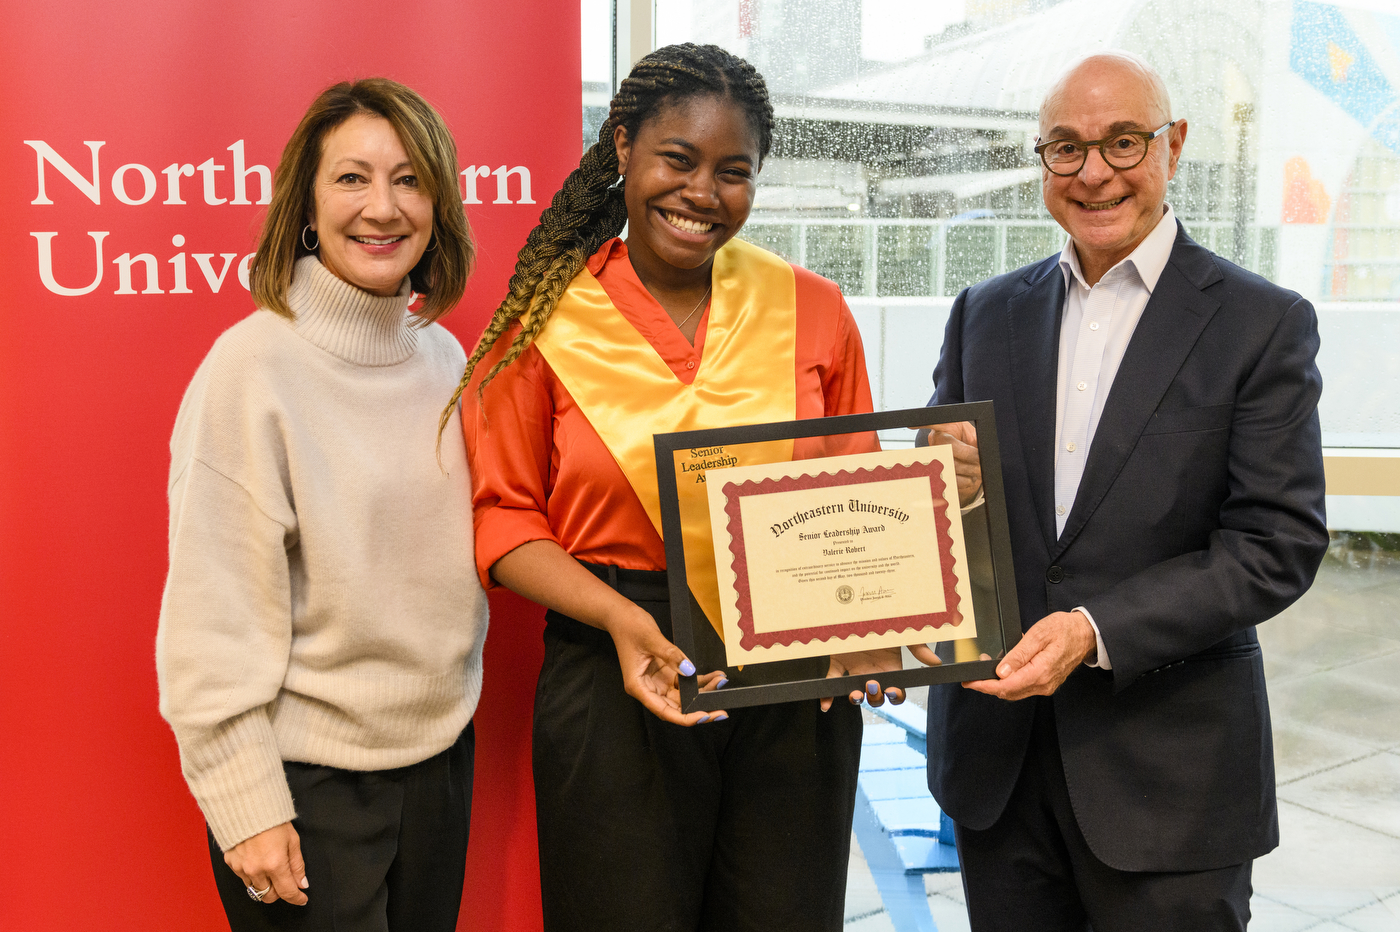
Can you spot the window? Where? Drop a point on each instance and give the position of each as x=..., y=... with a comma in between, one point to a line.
x=902, y=169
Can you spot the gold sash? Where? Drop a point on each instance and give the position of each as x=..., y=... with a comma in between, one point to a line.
x=628, y=393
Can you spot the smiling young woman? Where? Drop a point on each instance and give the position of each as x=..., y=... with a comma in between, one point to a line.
x=743, y=823
x=690, y=185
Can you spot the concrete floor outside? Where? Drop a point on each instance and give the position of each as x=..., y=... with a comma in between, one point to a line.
x=1332, y=663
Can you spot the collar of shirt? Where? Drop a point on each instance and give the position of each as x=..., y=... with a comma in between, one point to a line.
x=613, y=248
x=1148, y=259
x=613, y=269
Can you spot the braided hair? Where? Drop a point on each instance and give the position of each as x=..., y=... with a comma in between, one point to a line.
x=589, y=209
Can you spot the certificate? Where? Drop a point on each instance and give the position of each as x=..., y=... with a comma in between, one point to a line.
x=839, y=554
x=791, y=546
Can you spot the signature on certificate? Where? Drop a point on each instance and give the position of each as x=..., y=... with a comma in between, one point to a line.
x=875, y=595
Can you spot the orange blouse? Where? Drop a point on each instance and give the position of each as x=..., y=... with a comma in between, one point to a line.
x=540, y=472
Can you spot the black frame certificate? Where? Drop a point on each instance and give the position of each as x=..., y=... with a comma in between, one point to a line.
x=793, y=541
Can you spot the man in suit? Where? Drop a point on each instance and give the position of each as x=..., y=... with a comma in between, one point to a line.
x=1157, y=412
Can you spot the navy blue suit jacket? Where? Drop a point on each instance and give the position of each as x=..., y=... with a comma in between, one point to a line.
x=1199, y=515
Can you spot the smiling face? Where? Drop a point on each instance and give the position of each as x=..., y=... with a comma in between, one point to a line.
x=372, y=219
x=1108, y=212
x=690, y=183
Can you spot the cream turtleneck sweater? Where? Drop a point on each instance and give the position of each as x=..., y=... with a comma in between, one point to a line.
x=322, y=603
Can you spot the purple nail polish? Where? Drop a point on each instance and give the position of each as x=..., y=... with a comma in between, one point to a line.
x=873, y=688
x=702, y=719
x=687, y=668
x=721, y=716
x=722, y=680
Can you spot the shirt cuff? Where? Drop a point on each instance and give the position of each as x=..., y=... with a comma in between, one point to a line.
x=980, y=499
x=1101, y=661
x=499, y=530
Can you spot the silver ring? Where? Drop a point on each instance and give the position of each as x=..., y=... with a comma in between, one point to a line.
x=256, y=894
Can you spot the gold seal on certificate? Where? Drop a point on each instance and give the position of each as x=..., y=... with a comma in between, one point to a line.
x=839, y=554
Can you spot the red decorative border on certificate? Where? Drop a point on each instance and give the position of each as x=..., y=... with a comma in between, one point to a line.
x=733, y=492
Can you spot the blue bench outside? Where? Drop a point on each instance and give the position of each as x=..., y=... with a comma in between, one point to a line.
x=901, y=830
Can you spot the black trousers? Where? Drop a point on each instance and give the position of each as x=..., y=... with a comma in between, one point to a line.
x=735, y=825
x=1032, y=871
x=385, y=850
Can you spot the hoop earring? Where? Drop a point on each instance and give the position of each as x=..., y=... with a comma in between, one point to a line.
x=433, y=247
x=310, y=247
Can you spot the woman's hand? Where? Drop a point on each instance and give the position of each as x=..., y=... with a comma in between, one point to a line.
x=925, y=655
x=543, y=572
x=865, y=663
x=271, y=859
x=652, y=667
x=962, y=437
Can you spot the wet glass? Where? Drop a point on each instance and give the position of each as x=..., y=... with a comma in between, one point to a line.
x=903, y=167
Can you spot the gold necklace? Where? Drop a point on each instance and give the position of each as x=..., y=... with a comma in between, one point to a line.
x=696, y=307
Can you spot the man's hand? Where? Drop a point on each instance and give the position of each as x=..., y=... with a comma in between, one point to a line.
x=962, y=437
x=1043, y=659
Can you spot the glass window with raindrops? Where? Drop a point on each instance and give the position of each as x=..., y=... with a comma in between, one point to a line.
x=902, y=168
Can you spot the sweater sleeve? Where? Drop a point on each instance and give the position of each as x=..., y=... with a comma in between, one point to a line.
x=225, y=630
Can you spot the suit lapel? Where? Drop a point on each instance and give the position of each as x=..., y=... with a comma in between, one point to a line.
x=1172, y=322
x=1033, y=320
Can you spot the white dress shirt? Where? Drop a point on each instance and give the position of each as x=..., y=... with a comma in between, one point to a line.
x=1096, y=326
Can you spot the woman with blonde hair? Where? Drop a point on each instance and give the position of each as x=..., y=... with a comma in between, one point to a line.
x=320, y=639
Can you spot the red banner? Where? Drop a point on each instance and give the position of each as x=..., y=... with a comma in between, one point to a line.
x=138, y=145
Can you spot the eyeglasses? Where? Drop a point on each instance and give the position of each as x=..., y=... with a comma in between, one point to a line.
x=1123, y=151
